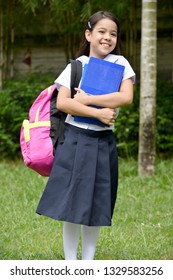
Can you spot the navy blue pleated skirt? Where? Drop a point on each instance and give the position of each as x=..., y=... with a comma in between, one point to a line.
x=82, y=186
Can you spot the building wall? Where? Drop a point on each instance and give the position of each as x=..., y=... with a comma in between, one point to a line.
x=43, y=59
x=52, y=59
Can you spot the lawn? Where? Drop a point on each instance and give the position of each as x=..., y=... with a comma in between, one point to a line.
x=142, y=227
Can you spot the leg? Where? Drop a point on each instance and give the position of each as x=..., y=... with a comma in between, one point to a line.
x=71, y=234
x=89, y=241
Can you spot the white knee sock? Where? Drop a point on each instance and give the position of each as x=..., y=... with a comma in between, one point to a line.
x=89, y=241
x=71, y=234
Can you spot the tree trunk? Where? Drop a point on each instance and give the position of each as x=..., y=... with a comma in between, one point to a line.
x=172, y=58
x=147, y=150
x=1, y=48
x=12, y=54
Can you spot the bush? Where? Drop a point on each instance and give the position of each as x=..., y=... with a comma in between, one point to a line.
x=127, y=127
x=127, y=124
x=164, y=121
x=18, y=95
x=16, y=99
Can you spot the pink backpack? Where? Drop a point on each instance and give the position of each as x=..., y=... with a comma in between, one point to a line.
x=40, y=134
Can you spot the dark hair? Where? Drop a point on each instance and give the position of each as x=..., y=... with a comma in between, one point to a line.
x=84, y=48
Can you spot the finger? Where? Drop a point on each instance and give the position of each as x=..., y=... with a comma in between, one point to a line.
x=77, y=90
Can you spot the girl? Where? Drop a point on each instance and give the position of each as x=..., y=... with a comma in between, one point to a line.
x=82, y=187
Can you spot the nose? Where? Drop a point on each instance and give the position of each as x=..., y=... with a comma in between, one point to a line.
x=107, y=36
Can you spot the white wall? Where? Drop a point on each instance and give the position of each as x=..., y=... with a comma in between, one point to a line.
x=43, y=59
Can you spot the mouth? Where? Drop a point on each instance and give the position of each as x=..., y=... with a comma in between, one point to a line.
x=106, y=45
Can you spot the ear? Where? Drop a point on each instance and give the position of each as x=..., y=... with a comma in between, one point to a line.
x=88, y=35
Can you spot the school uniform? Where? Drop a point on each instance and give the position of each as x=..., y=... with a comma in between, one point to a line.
x=83, y=183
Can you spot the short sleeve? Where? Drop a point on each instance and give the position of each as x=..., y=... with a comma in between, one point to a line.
x=64, y=78
x=128, y=72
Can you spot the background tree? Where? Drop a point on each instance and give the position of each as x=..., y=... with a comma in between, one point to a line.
x=32, y=23
x=15, y=18
x=147, y=129
x=68, y=18
x=1, y=47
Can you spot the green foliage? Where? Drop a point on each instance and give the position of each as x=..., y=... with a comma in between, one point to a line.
x=16, y=99
x=164, y=122
x=18, y=95
x=127, y=124
x=127, y=127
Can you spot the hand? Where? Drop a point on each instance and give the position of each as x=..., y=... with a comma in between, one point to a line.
x=81, y=96
x=106, y=115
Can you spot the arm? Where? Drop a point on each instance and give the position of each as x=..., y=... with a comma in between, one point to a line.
x=111, y=100
x=71, y=106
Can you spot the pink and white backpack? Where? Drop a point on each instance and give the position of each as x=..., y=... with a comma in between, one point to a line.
x=35, y=141
x=40, y=134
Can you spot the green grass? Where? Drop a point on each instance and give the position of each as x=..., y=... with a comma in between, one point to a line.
x=142, y=226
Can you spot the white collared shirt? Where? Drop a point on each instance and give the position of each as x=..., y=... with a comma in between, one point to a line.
x=64, y=80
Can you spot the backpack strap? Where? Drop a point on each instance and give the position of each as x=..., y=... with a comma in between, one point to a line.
x=76, y=74
x=58, y=117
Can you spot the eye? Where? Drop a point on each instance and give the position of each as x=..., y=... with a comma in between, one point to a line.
x=114, y=34
x=101, y=31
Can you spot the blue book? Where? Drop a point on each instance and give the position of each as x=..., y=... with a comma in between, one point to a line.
x=100, y=77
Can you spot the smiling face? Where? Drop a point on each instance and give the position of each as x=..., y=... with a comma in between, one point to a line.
x=103, y=38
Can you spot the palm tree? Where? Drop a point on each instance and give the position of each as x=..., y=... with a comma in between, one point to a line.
x=147, y=153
